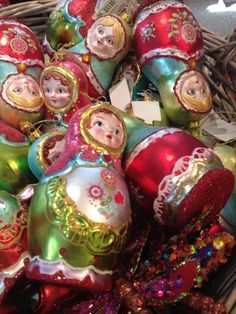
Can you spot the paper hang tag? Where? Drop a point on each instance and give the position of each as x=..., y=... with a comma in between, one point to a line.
x=60, y=4
x=99, y=5
x=120, y=95
x=219, y=128
x=116, y=7
x=148, y=111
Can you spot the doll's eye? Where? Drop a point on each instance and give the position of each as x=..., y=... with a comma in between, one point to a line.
x=98, y=124
x=61, y=91
x=117, y=132
x=110, y=41
x=55, y=156
x=191, y=92
x=47, y=90
x=203, y=91
x=17, y=90
x=100, y=30
x=34, y=93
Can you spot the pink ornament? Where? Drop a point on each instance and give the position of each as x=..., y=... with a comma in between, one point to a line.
x=64, y=85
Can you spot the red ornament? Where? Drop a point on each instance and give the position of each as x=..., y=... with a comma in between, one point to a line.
x=167, y=29
x=4, y=3
x=175, y=175
x=85, y=10
x=68, y=71
x=13, y=243
x=19, y=44
x=50, y=296
x=21, y=62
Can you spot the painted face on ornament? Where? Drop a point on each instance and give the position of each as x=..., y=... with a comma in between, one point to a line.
x=53, y=148
x=106, y=129
x=56, y=90
x=22, y=91
x=106, y=37
x=194, y=92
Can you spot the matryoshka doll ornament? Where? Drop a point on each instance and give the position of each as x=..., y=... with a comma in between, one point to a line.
x=169, y=48
x=14, y=252
x=15, y=173
x=174, y=176
x=81, y=205
x=45, y=150
x=21, y=63
x=107, y=42
x=69, y=22
x=64, y=86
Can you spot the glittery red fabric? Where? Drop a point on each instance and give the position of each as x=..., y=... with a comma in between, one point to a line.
x=85, y=9
x=209, y=194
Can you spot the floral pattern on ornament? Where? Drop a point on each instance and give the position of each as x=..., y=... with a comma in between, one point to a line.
x=20, y=41
x=185, y=23
x=106, y=208
x=18, y=45
x=119, y=198
x=148, y=32
x=155, y=8
x=108, y=177
x=96, y=192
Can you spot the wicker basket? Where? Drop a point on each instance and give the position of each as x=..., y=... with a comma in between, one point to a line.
x=33, y=13
x=221, y=63
x=220, y=51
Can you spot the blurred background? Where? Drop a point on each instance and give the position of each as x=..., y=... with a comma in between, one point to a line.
x=217, y=15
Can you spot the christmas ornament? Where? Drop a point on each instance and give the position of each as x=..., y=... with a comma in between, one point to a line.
x=13, y=242
x=4, y=3
x=161, y=279
x=205, y=304
x=82, y=205
x=45, y=150
x=107, y=42
x=69, y=23
x=174, y=174
x=171, y=271
x=14, y=169
x=21, y=62
x=169, y=48
x=64, y=86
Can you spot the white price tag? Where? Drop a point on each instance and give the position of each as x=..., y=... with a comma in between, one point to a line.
x=99, y=4
x=219, y=128
x=120, y=95
x=148, y=111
